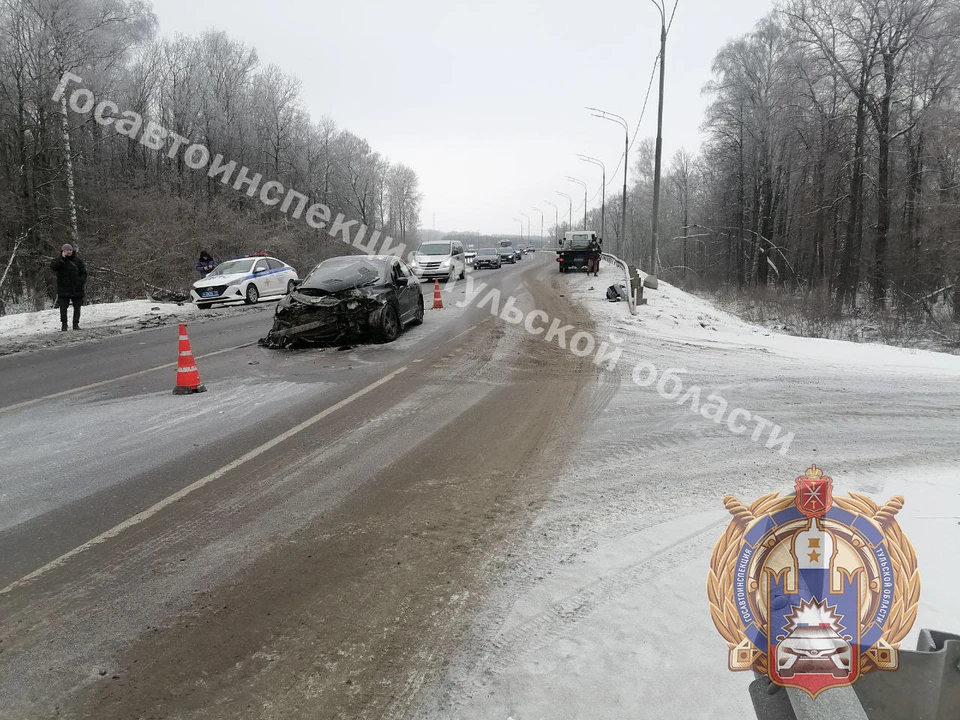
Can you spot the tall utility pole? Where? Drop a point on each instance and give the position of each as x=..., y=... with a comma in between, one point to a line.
x=654, y=251
x=603, y=202
x=541, y=225
x=521, y=229
x=556, y=218
x=613, y=117
x=584, y=186
x=570, y=210
x=528, y=226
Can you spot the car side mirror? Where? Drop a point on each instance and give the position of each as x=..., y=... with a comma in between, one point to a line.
x=403, y=282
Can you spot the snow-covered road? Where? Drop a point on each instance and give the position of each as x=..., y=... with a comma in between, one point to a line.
x=602, y=612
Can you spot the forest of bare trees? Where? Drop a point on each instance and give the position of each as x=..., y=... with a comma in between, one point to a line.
x=140, y=216
x=832, y=165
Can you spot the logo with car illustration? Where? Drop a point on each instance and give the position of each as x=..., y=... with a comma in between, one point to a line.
x=813, y=590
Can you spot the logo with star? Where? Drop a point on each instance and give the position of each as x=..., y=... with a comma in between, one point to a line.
x=812, y=590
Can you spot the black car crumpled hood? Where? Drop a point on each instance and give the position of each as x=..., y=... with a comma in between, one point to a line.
x=316, y=316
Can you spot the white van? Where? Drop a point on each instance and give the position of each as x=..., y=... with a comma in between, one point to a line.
x=440, y=259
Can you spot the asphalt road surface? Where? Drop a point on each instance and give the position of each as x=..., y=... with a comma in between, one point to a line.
x=466, y=523
x=299, y=541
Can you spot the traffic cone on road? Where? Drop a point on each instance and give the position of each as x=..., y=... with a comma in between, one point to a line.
x=437, y=300
x=188, y=377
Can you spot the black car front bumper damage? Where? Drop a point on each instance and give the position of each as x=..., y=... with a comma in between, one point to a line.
x=303, y=320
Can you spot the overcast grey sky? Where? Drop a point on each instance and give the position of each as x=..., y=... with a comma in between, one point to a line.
x=485, y=100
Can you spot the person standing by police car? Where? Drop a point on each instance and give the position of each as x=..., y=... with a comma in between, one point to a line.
x=205, y=264
x=71, y=284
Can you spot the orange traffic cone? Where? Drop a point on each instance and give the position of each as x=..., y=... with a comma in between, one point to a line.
x=437, y=300
x=188, y=377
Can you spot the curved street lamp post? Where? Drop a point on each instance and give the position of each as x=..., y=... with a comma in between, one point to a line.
x=603, y=202
x=556, y=218
x=569, y=210
x=584, y=186
x=613, y=117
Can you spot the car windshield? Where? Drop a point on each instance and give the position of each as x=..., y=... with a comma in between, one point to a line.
x=435, y=249
x=488, y=251
x=233, y=267
x=343, y=273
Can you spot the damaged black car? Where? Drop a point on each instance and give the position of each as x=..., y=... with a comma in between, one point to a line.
x=348, y=298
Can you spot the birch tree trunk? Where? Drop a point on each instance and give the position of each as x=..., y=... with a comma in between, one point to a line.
x=68, y=166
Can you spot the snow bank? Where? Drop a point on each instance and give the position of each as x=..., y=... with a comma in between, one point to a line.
x=132, y=314
x=679, y=317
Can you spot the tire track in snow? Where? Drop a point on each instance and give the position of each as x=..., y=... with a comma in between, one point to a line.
x=529, y=637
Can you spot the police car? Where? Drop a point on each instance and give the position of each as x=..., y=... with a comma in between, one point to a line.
x=248, y=279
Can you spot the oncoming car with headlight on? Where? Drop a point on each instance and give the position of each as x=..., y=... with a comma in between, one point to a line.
x=247, y=279
x=439, y=260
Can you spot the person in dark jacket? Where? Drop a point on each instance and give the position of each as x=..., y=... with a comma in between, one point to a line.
x=593, y=257
x=71, y=281
x=205, y=264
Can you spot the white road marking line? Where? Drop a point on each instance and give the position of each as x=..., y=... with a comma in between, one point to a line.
x=180, y=494
x=469, y=329
x=73, y=391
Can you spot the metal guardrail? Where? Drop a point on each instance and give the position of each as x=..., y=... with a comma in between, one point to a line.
x=925, y=687
x=631, y=294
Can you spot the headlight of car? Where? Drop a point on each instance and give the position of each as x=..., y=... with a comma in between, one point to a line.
x=446, y=263
x=353, y=304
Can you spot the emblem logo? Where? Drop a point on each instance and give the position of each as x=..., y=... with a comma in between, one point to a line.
x=812, y=590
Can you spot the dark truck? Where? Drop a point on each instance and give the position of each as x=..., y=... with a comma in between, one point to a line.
x=572, y=253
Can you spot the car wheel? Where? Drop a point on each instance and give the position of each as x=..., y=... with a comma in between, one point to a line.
x=418, y=318
x=389, y=325
x=463, y=273
x=291, y=286
x=203, y=306
x=252, y=294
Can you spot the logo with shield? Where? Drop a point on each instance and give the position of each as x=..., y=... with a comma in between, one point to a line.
x=813, y=590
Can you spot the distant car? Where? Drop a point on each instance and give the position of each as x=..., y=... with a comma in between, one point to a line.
x=507, y=254
x=470, y=254
x=247, y=279
x=354, y=296
x=508, y=244
x=531, y=249
x=487, y=257
x=444, y=259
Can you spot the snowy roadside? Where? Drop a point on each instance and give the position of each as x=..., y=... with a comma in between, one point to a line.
x=37, y=330
x=601, y=611
x=674, y=315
